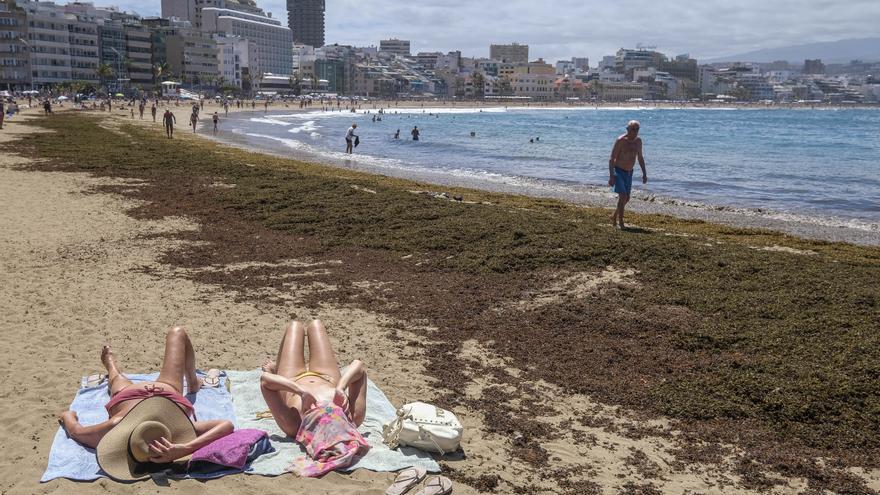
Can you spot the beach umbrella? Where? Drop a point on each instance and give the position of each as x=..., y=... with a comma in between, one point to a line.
x=62, y=98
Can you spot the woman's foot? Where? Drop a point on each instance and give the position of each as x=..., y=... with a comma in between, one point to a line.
x=108, y=359
x=269, y=366
x=193, y=384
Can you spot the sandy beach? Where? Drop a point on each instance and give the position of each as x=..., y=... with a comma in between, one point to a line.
x=93, y=258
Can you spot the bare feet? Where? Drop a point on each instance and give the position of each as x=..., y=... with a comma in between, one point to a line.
x=108, y=358
x=193, y=384
x=269, y=366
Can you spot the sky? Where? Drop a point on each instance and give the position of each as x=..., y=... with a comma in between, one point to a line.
x=561, y=29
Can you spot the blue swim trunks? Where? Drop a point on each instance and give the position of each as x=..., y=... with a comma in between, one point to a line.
x=623, y=181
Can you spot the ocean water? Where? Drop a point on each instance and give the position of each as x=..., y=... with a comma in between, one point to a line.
x=805, y=163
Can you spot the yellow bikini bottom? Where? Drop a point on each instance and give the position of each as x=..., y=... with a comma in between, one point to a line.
x=311, y=373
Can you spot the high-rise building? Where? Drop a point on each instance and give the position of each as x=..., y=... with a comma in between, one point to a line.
x=306, y=20
x=49, y=39
x=512, y=54
x=14, y=57
x=274, y=42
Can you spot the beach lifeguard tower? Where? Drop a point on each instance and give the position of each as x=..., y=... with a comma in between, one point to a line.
x=170, y=89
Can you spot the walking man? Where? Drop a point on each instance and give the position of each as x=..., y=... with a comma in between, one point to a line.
x=216, y=119
x=350, y=136
x=194, y=120
x=169, y=120
x=627, y=149
x=153, y=111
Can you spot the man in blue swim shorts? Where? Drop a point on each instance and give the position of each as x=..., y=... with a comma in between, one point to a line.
x=627, y=149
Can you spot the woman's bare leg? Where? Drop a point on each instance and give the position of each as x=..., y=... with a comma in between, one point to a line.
x=292, y=352
x=180, y=362
x=115, y=378
x=357, y=399
x=291, y=362
x=321, y=357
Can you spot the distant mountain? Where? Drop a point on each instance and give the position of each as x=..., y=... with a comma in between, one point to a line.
x=865, y=49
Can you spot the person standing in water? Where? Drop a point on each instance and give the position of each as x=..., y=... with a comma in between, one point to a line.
x=627, y=149
x=169, y=120
x=350, y=136
x=415, y=133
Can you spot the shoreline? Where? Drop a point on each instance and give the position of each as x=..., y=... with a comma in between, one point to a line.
x=808, y=226
x=469, y=301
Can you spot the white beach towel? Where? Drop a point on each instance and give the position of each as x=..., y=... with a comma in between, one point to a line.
x=248, y=402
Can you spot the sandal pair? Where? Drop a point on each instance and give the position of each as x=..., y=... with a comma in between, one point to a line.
x=410, y=478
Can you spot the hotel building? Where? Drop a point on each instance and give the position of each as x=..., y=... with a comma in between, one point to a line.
x=14, y=57
x=306, y=19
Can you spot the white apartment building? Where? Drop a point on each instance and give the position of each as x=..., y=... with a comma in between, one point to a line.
x=235, y=58
x=274, y=42
x=84, y=56
x=49, y=40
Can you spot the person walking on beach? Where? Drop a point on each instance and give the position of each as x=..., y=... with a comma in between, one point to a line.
x=627, y=149
x=216, y=119
x=153, y=111
x=2, y=112
x=169, y=120
x=415, y=133
x=194, y=121
x=350, y=136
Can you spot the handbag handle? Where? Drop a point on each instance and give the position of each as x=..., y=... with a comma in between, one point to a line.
x=391, y=432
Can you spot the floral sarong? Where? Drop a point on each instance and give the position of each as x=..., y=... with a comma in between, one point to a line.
x=330, y=439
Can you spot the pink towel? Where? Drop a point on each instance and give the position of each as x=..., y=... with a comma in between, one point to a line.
x=330, y=439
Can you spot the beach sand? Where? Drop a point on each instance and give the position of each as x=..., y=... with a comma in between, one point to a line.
x=79, y=271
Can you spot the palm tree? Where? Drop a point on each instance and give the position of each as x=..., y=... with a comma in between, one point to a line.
x=295, y=84
x=479, y=82
x=259, y=78
x=104, y=71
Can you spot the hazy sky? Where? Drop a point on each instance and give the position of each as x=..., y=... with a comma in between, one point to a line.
x=560, y=29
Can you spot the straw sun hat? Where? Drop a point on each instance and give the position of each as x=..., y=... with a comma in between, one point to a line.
x=124, y=452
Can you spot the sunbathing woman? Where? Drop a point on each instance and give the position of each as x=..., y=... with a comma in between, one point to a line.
x=291, y=388
x=316, y=405
x=179, y=366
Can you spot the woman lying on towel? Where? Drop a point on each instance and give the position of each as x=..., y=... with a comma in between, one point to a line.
x=316, y=404
x=149, y=422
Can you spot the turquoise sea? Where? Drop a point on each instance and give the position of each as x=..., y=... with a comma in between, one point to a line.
x=822, y=164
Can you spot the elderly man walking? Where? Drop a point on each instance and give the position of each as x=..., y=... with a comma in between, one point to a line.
x=627, y=149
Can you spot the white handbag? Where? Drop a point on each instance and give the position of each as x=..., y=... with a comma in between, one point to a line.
x=424, y=427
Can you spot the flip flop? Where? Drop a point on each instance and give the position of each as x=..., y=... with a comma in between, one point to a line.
x=95, y=379
x=212, y=379
x=438, y=485
x=406, y=480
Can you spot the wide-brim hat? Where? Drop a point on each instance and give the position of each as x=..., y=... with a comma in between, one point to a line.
x=124, y=452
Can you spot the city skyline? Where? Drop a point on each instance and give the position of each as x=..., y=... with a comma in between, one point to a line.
x=708, y=30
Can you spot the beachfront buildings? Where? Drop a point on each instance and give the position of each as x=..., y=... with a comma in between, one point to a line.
x=14, y=57
x=188, y=53
x=306, y=20
x=239, y=18
x=274, y=42
x=513, y=53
